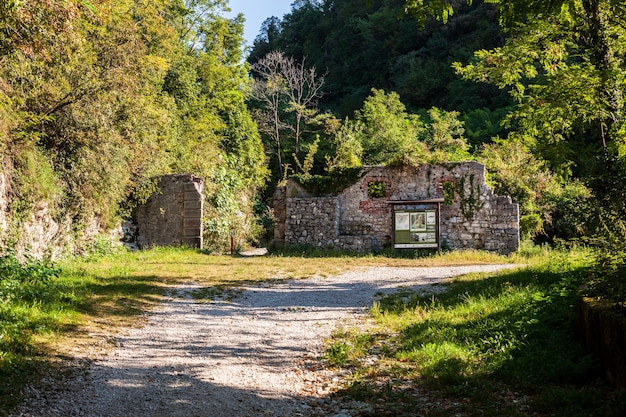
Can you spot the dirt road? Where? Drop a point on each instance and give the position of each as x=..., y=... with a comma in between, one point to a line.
x=255, y=355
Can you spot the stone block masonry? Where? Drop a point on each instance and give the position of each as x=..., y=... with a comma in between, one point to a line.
x=173, y=214
x=316, y=221
x=471, y=217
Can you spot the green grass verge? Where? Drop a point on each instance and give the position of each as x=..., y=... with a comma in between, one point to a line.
x=492, y=345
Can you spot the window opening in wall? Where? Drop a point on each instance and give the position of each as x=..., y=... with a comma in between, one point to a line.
x=376, y=189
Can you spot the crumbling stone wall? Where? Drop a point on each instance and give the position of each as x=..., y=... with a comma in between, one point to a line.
x=172, y=215
x=473, y=217
x=312, y=220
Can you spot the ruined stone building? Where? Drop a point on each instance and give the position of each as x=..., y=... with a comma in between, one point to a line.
x=173, y=214
x=433, y=206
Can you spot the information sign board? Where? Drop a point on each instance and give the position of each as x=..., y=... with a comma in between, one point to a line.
x=415, y=228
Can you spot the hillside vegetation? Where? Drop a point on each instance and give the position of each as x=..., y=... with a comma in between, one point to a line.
x=98, y=97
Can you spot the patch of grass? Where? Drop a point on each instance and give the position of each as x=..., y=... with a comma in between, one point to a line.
x=347, y=347
x=491, y=344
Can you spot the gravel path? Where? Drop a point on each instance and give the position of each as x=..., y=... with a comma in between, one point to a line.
x=251, y=356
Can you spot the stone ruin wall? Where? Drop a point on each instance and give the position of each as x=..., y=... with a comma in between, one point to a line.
x=172, y=215
x=476, y=219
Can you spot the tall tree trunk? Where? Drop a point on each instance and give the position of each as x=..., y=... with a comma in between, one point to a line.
x=598, y=13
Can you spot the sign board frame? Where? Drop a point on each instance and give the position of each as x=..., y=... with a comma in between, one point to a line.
x=416, y=224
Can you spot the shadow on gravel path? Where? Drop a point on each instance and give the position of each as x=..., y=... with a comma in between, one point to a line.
x=253, y=356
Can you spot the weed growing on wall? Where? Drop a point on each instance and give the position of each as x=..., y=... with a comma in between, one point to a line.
x=323, y=185
x=470, y=203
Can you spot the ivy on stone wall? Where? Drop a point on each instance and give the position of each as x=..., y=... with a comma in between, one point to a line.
x=448, y=193
x=331, y=184
x=377, y=189
x=470, y=203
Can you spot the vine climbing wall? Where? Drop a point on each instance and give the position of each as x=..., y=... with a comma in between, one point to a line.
x=360, y=217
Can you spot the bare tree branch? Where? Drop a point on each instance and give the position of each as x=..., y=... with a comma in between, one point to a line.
x=285, y=86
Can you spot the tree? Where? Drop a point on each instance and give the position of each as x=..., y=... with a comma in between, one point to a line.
x=445, y=136
x=388, y=133
x=562, y=64
x=270, y=30
x=384, y=133
x=304, y=87
x=269, y=91
x=99, y=97
x=287, y=92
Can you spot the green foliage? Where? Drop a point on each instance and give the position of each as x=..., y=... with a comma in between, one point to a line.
x=34, y=178
x=448, y=193
x=469, y=197
x=25, y=281
x=485, y=343
x=560, y=104
x=307, y=166
x=365, y=45
x=481, y=125
x=445, y=137
x=97, y=99
x=343, y=352
x=335, y=182
x=230, y=207
x=547, y=206
x=384, y=133
x=26, y=290
x=389, y=133
x=100, y=246
x=348, y=147
x=377, y=189
x=569, y=208
x=530, y=225
x=337, y=354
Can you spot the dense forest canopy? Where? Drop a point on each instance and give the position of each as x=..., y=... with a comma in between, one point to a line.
x=373, y=44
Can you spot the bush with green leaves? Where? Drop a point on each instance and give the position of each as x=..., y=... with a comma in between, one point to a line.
x=549, y=207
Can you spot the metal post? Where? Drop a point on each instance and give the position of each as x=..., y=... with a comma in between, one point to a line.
x=438, y=228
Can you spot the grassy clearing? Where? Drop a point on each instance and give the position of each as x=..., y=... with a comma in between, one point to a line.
x=52, y=312
x=492, y=345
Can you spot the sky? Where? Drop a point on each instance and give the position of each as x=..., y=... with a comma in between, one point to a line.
x=256, y=11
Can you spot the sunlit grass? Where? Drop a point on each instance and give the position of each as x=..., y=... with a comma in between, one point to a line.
x=500, y=344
